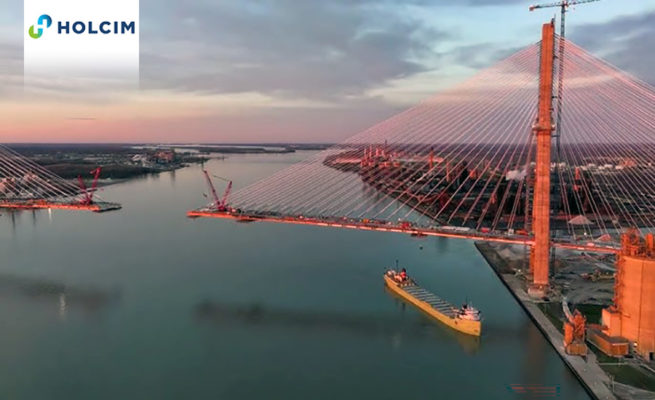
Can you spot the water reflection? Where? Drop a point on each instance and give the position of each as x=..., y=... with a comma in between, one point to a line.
x=534, y=362
x=89, y=299
x=321, y=320
x=12, y=216
x=35, y=216
x=257, y=314
x=172, y=176
x=441, y=244
x=157, y=341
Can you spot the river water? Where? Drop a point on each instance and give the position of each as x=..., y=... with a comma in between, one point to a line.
x=144, y=303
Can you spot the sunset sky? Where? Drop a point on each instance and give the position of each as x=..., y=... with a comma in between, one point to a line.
x=297, y=70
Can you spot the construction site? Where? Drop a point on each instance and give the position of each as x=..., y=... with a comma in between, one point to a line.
x=559, y=195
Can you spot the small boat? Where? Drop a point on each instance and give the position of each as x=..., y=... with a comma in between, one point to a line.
x=465, y=319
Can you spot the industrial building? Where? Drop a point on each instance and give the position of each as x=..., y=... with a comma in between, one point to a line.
x=632, y=316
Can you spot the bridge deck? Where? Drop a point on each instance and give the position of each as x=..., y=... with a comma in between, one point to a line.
x=43, y=204
x=402, y=227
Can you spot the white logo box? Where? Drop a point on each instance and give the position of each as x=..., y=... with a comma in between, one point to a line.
x=102, y=59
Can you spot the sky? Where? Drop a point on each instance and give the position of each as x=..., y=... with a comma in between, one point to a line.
x=310, y=71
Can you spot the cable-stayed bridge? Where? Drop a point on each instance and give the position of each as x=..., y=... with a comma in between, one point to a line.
x=469, y=161
x=27, y=185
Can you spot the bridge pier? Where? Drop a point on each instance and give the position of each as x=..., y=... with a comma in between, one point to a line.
x=543, y=129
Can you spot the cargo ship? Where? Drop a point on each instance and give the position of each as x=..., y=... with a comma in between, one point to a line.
x=465, y=319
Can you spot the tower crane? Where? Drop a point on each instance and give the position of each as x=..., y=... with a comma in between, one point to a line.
x=564, y=7
x=219, y=204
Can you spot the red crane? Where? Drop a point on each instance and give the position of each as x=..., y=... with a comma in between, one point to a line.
x=219, y=204
x=88, y=194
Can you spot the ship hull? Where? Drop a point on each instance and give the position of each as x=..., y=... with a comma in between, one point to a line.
x=468, y=327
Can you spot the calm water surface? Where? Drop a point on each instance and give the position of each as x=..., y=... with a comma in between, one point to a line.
x=146, y=304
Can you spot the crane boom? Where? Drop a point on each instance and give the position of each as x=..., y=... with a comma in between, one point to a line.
x=211, y=188
x=223, y=205
x=94, y=186
x=83, y=189
x=88, y=194
x=564, y=3
x=219, y=204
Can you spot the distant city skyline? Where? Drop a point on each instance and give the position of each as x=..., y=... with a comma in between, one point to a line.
x=297, y=71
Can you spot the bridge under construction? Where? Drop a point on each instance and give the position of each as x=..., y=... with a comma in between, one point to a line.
x=478, y=162
x=26, y=185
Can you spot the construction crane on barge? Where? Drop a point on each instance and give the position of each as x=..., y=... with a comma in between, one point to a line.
x=88, y=194
x=219, y=204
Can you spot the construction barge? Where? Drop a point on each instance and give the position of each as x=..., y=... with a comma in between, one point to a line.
x=98, y=207
x=465, y=319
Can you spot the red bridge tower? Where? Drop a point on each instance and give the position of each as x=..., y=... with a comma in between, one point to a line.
x=543, y=130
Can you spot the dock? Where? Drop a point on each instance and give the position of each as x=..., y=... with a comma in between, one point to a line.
x=589, y=373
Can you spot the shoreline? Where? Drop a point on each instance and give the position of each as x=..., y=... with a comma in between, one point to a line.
x=594, y=380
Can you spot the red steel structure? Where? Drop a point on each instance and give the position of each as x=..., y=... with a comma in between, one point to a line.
x=218, y=204
x=543, y=130
x=88, y=194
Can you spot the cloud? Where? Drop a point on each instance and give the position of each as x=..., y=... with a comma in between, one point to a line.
x=305, y=49
x=626, y=42
x=481, y=55
x=439, y=3
x=307, y=70
x=11, y=68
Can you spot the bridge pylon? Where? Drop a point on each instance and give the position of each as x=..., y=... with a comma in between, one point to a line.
x=543, y=130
